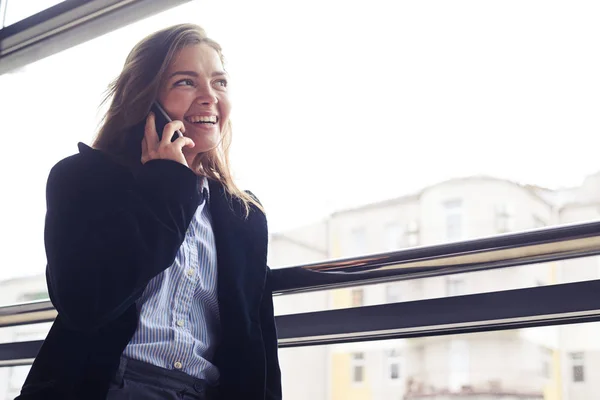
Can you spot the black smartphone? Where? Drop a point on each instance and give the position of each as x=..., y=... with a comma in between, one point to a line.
x=162, y=118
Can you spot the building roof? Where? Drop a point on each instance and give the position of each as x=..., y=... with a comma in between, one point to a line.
x=534, y=190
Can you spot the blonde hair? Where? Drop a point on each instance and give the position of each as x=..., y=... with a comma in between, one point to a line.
x=133, y=92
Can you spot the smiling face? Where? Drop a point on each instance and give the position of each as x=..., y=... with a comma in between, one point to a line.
x=194, y=91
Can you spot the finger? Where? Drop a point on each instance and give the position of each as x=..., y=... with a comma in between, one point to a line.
x=169, y=131
x=144, y=150
x=184, y=142
x=150, y=132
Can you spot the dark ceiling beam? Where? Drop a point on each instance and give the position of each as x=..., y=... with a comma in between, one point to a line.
x=68, y=24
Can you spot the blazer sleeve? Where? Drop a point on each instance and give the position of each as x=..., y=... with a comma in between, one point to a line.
x=107, y=234
x=269, y=330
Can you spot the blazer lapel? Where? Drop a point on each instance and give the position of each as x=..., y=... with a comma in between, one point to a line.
x=241, y=255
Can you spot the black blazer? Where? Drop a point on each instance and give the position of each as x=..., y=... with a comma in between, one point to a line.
x=109, y=231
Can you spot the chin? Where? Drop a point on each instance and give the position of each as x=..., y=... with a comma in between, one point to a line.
x=204, y=142
x=200, y=148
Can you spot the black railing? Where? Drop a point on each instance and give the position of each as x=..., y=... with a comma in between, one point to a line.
x=508, y=309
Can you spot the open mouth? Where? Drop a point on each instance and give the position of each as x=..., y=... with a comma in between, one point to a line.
x=196, y=119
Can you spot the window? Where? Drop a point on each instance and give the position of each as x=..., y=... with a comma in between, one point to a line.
x=393, y=292
x=393, y=365
x=412, y=234
x=358, y=242
x=357, y=297
x=394, y=237
x=454, y=225
x=17, y=377
x=546, y=362
x=455, y=286
x=505, y=218
x=577, y=363
x=358, y=367
x=2, y=13
x=17, y=10
x=34, y=296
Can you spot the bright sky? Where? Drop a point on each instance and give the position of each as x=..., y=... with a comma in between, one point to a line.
x=338, y=103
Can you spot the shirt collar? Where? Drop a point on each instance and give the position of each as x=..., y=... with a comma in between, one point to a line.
x=203, y=188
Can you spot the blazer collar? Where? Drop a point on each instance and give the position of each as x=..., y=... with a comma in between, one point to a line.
x=226, y=210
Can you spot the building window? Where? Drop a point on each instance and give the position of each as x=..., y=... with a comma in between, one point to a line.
x=412, y=234
x=394, y=365
x=455, y=285
x=577, y=363
x=358, y=367
x=454, y=223
x=393, y=292
x=357, y=297
x=359, y=242
x=505, y=218
x=546, y=362
x=394, y=237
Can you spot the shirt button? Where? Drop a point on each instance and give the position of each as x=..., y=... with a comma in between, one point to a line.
x=178, y=365
x=190, y=272
x=180, y=322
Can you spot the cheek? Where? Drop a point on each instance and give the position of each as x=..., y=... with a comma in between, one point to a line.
x=224, y=109
x=176, y=104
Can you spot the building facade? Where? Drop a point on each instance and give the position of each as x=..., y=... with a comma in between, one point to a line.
x=551, y=363
x=544, y=363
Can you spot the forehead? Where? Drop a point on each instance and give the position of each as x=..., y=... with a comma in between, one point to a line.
x=200, y=58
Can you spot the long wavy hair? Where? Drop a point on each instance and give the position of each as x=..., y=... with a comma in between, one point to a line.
x=131, y=96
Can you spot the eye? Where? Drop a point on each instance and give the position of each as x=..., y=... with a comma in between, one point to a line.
x=222, y=83
x=184, y=82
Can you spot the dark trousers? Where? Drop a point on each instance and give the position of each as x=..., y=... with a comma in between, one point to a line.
x=138, y=380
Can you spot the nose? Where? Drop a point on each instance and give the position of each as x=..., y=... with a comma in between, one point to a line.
x=206, y=95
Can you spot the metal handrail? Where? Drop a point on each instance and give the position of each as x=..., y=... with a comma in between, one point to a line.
x=27, y=313
x=499, y=251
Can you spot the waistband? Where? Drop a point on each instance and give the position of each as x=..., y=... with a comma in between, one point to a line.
x=142, y=372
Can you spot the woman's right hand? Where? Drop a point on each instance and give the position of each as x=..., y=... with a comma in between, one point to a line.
x=153, y=149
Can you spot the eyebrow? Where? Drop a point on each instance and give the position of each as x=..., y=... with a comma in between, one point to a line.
x=195, y=74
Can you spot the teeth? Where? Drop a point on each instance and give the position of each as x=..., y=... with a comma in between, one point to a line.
x=196, y=119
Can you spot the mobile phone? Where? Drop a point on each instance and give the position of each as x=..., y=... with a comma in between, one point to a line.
x=162, y=118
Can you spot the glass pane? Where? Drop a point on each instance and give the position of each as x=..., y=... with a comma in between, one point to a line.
x=23, y=289
x=430, y=93
x=11, y=379
x=59, y=98
x=16, y=10
x=549, y=363
x=371, y=113
x=24, y=333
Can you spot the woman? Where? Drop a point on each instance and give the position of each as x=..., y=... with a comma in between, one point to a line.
x=156, y=260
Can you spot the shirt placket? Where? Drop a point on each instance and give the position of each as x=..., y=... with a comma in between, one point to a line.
x=184, y=297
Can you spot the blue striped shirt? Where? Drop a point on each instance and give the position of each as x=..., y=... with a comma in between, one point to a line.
x=179, y=313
